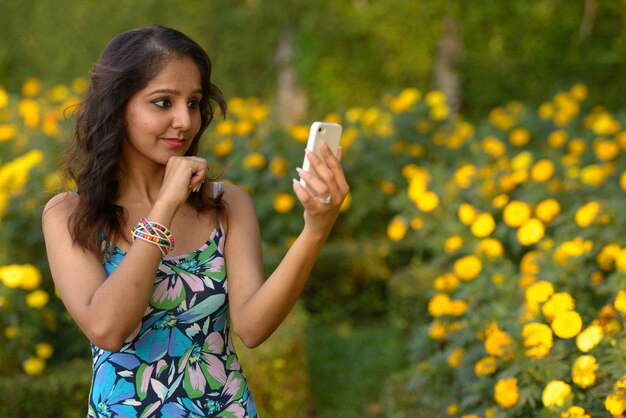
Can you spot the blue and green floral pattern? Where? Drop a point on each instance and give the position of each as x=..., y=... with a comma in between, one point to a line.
x=180, y=361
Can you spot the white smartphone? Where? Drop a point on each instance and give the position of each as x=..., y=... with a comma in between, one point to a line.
x=327, y=132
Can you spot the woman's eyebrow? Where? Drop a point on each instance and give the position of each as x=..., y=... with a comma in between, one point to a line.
x=172, y=91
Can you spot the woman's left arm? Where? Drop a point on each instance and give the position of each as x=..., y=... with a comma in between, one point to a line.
x=258, y=306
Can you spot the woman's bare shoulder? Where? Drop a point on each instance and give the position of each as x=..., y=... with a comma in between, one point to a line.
x=237, y=198
x=60, y=206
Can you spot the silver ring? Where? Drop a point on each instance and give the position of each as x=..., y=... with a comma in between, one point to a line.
x=325, y=200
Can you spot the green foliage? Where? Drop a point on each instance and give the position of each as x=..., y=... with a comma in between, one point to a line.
x=277, y=370
x=61, y=392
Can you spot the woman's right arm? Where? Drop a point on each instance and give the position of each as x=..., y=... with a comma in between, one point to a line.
x=107, y=311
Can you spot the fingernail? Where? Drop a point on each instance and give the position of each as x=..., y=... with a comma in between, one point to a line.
x=299, y=170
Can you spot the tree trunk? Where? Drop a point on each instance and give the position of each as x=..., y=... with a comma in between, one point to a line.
x=292, y=101
x=588, y=19
x=449, y=53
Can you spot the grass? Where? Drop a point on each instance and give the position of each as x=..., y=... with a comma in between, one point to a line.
x=348, y=367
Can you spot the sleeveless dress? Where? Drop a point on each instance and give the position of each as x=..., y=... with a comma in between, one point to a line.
x=179, y=361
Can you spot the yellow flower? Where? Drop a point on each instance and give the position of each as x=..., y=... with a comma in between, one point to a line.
x=538, y=293
x=468, y=267
x=427, y=202
x=405, y=100
x=575, y=412
x=223, y=148
x=622, y=180
x=573, y=248
x=37, y=299
x=417, y=222
x=486, y=366
x=557, y=138
x=490, y=247
x=620, y=301
x=499, y=344
x=453, y=243
x=397, y=228
x=439, y=305
x=4, y=98
x=347, y=202
x=225, y=128
x=584, y=371
x=34, y=366
x=300, y=133
x=528, y=264
x=44, y=350
x=500, y=201
x=463, y=175
x=606, y=149
x=547, y=210
x=31, y=87
x=458, y=307
x=452, y=409
x=434, y=98
x=531, y=232
x=278, y=166
x=558, y=302
x=493, y=147
x=11, y=331
x=556, y=393
x=615, y=404
x=519, y=137
x=545, y=111
x=516, y=213
x=437, y=331
x=483, y=225
x=80, y=85
x=537, y=339
x=589, y=338
x=567, y=324
x=620, y=260
x=586, y=214
x=506, y=392
x=283, y=203
x=579, y=92
x=30, y=110
x=243, y=128
x=466, y=213
x=447, y=282
x=456, y=357
x=255, y=160
x=542, y=171
x=7, y=132
x=593, y=175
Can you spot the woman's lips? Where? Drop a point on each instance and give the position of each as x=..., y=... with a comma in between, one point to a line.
x=174, y=142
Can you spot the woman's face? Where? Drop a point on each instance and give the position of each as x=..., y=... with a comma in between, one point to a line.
x=164, y=117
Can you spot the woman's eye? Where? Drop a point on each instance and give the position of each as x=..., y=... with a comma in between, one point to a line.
x=193, y=104
x=162, y=103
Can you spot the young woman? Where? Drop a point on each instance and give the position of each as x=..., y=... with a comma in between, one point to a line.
x=153, y=262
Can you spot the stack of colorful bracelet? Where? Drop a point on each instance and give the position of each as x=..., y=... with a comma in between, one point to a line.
x=154, y=233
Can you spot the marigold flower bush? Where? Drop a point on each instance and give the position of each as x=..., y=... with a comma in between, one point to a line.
x=522, y=216
x=515, y=223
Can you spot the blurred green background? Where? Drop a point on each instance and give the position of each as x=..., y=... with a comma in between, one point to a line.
x=465, y=98
x=346, y=51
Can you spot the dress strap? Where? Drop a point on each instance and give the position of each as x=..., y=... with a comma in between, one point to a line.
x=217, y=188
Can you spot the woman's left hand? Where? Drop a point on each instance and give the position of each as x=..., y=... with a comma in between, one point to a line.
x=326, y=188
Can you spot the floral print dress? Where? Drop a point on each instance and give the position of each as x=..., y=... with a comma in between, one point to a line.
x=180, y=361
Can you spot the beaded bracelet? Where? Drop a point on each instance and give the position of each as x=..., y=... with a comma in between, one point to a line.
x=154, y=233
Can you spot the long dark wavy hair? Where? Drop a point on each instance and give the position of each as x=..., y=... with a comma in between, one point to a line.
x=126, y=66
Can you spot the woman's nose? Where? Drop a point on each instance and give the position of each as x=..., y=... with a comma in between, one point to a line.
x=182, y=118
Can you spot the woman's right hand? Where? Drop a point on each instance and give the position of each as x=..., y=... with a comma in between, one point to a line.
x=183, y=175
